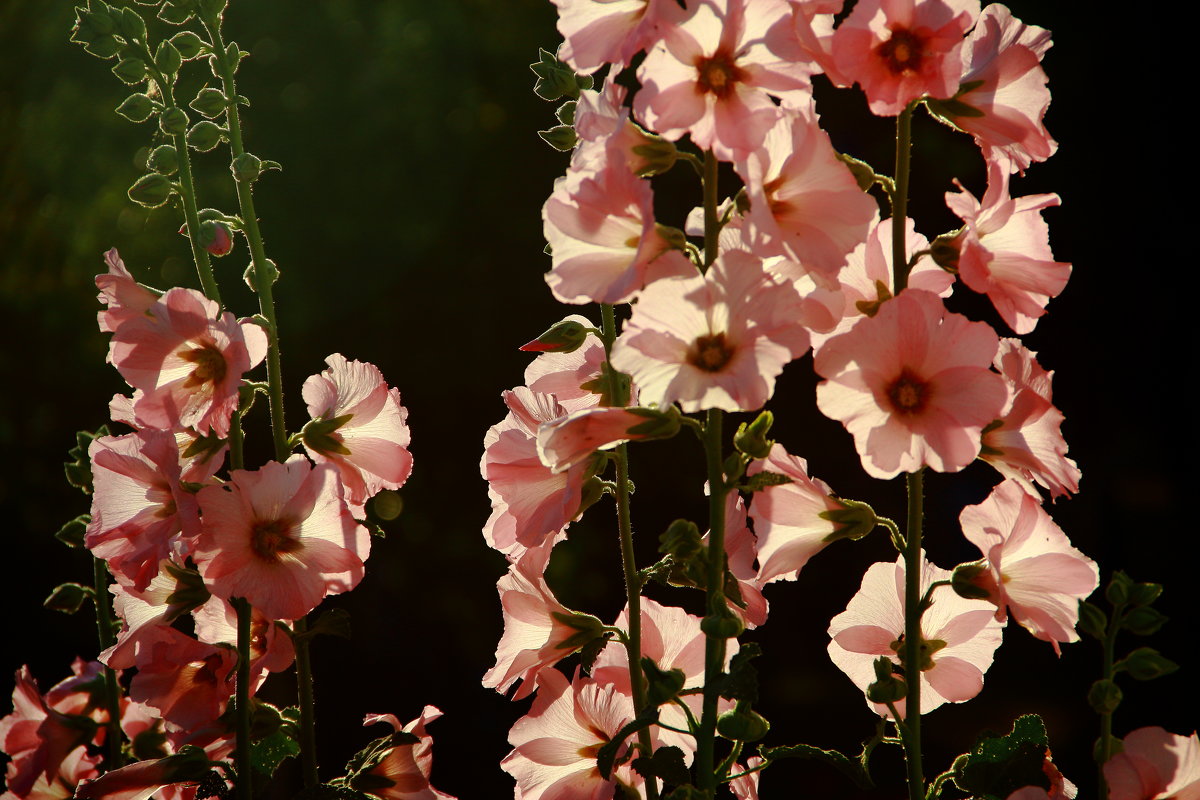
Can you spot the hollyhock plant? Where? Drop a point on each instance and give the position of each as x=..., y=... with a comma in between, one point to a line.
x=556, y=743
x=1003, y=96
x=900, y=50
x=912, y=385
x=1026, y=444
x=126, y=298
x=713, y=75
x=804, y=203
x=958, y=636
x=188, y=359
x=1004, y=249
x=281, y=537
x=1155, y=764
x=402, y=772
x=1031, y=569
x=359, y=426
x=717, y=341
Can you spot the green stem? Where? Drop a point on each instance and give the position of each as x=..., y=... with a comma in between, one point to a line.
x=912, y=635
x=712, y=223
x=304, y=687
x=900, y=265
x=714, y=646
x=242, y=709
x=1106, y=718
x=108, y=637
x=237, y=440
x=935, y=788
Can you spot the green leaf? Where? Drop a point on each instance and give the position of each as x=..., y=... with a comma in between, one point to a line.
x=561, y=137
x=742, y=681
x=666, y=763
x=269, y=752
x=554, y=78
x=72, y=533
x=1000, y=765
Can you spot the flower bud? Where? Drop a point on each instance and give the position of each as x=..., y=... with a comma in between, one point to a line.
x=1092, y=620
x=945, y=250
x=246, y=167
x=1143, y=594
x=561, y=337
x=970, y=581
x=720, y=622
x=586, y=627
x=136, y=108
x=658, y=424
x=1105, y=696
x=561, y=137
x=151, y=190
x=216, y=237
x=654, y=157
x=752, y=439
x=863, y=174
x=854, y=520
x=742, y=725
x=173, y=121
x=130, y=70
x=1117, y=591
x=188, y=44
x=1144, y=621
x=210, y=102
x=67, y=598
x=163, y=159
x=204, y=136
x=1146, y=664
x=555, y=79
x=167, y=59
x=887, y=687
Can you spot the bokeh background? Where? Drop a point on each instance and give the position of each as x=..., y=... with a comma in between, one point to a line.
x=406, y=226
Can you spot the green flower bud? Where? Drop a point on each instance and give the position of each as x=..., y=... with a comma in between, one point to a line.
x=1092, y=620
x=130, y=24
x=131, y=71
x=969, y=580
x=721, y=622
x=150, y=190
x=561, y=337
x=1143, y=594
x=658, y=424
x=561, y=137
x=887, y=687
x=188, y=44
x=204, y=136
x=210, y=102
x=67, y=598
x=103, y=47
x=742, y=725
x=246, y=167
x=167, y=58
x=863, y=174
x=1105, y=696
x=1144, y=621
x=854, y=520
x=173, y=121
x=752, y=439
x=136, y=108
x=1146, y=664
x=1118, y=588
x=655, y=156
x=163, y=159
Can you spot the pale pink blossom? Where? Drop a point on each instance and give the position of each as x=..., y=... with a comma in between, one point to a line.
x=569, y=440
x=187, y=681
x=126, y=298
x=606, y=132
x=604, y=243
x=746, y=787
x=1007, y=95
x=556, y=743
x=533, y=635
x=1155, y=764
x=188, y=359
x=75, y=769
x=814, y=33
x=1026, y=443
x=39, y=737
x=142, y=779
x=912, y=385
x=172, y=592
x=271, y=648
x=717, y=341
x=959, y=636
x=406, y=766
x=787, y=517
x=599, y=32
x=713, y=75
x=741, y=549
x=804, y=202
x=900, y=50
x=281, y=537
x=1004, y=249
x=358, y=426
x=1031, y=568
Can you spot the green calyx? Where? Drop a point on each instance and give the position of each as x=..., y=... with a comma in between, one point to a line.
x=317, y=435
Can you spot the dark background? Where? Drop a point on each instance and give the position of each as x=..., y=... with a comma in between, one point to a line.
x=406, y=226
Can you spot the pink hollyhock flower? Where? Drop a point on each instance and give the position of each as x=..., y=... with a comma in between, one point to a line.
x=271, y=648
x=556, y=743
x=358, y=426
x=188, y=359
x=1155, y=765
x=787, y=517
x=569, y=440
x=1060, y=787
x=1031, y=567
x=958, y=636
x=713, y=75
x=741, y=549
x=76, y=768
x=1026, y=443
x=900, y=50
x=534, y=633
x=746, y=787
x=403, y=771
x=603, y=125
x=141, y=514
x=804, y=203
x=189, y=682
x=1003, y=90
x=142, y=779
x=605, y=245
x=712, y=341
x=126, y=298
x=540, y=502
x=912, y=385
x=281, y=537
x=599, y=32
x=1004, y=249
x=172, y=592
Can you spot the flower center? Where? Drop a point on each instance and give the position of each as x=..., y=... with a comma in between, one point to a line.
x=908, y=394
x=718, y=74
x=928, y=648
x=903, y=52
x=779, y=208
x=210, y=366
x=269, y=539
x=710, y=353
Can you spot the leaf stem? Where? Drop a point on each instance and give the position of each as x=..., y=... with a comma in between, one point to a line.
x=242, y=709
x=912, y=635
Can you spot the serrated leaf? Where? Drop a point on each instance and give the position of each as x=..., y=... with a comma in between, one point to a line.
x=1000, y=765
x=666, y=763
x=742, y=681
x=269, y=752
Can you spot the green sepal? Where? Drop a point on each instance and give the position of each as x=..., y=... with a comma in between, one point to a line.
x=591, y=651
x=659, y=424
x=566, y=113
x=657, y=155
x=864, y=174
x=999, y=765
x=743, y=724
x=566, y=336
x=555, y=79
x=854, y=520
x=965, y=580
x=602, y=386
x=752, y=440
x=370, y=756
x=662, y=686
x=887, y=686
x=72, y=534
x=131, y=71
x=163, y=159
x=246, y=167
x=587, y=628
x=1145, y=664
x=1143, y=594
x=79, y=469
x=204, y=136
x=1092, y=620
x=317, y=435
x=1119, y=586
x=561, y=137
x=205, y=446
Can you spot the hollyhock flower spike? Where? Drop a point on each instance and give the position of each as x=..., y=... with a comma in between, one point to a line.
x=713, y=75
x=188, y=359
x=359, y=426
x=717, y=341
x=900, y=50
x=1004, y=249
x=1155, y=764
x=912, y=385
x=401, y=772
x=281, y=537
x=1026, y=443
x=959, y=636
x=1031, y=569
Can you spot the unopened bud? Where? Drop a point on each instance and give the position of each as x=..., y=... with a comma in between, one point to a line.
x=587, y=628
x=854, y=520
x=1144, y=621
x=210, y=102
x=863, y=174
x=654, y=157
x=720, y=622
x=150, y=190
x=130, y=70
x=188, y=44
x=971, y=581
x=743, y=725
x=674, y=238
x=561, y=337
x=167, y=59
x=887, y=687
x=163, y=159
x=246, y=167
x=1105, y=696
x=752, y=439
x=945, y=250
x=657, y=425
x=681, y=540
x=216, y=237
x=1143, y=594
x=204, y=136
x=1146, y=664
x=136, y=108
x=67, y=598
x=173, y=121
x=1118, y=588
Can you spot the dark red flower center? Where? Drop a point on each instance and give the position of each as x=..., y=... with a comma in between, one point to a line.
x=903, y=52
x=908, y=393
x=269, y=539
x=210, y=365
x=718, y=74
x=710, y=353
